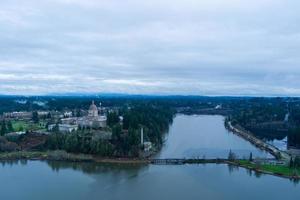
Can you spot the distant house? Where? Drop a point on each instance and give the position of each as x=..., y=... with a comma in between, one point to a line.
x=51, y=127
x=68, y=114
x=71, y=120
x=43, y=113
x=268, y=162
x=16, y=133
x=147, y=146
x=56, y=115
x=18, y=115
x=218, y=107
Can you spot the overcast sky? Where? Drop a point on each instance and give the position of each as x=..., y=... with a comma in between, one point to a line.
x=198, y=47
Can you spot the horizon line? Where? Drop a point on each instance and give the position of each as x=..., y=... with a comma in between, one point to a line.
x=141, y=94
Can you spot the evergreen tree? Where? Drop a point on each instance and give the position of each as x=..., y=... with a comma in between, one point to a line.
x=291, y=164
x=3, y=130
x=112, y=119
x=251, y=157
x=78, y=113
x=35, y=117
x=49, y=115
x=231, y=156
x=297, y=161
x=116, y=132
x=10, y=126
x=21, y=128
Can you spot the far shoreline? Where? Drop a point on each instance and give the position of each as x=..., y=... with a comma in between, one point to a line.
x=62, y=156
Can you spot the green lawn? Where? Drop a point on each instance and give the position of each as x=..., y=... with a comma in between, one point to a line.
x=276, y=169
x=284, y=170
x=19, y=125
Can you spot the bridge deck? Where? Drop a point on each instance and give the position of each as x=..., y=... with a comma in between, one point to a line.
x=174, y=161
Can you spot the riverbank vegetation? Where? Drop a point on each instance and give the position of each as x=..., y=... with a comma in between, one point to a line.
x=46, y=155
x=267, y=118
x=279, y=170
x=291, y=172
x=124, y=139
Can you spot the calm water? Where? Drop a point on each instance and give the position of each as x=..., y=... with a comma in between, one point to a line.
x=205, y=135
x=188, y=136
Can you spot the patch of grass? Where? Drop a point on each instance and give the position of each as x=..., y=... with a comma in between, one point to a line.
x=244, y=162
x=19, y=125
x=281, y=170
x=276, y=169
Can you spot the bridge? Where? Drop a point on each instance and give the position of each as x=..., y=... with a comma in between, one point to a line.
x=175, y=161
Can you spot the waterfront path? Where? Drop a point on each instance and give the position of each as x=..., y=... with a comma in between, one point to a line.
x=281, y=155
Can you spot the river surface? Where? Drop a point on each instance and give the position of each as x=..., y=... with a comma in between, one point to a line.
x=189, y=136
x=205, y=136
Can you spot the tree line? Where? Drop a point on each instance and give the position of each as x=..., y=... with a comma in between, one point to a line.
x=125, y=140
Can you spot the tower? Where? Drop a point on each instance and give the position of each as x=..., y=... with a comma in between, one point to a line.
x=93, y=110
x=142, y=136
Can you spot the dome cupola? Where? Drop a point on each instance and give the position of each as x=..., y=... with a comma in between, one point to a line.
x=93, y=110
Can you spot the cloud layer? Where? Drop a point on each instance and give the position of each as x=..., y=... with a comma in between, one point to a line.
x=216, y=47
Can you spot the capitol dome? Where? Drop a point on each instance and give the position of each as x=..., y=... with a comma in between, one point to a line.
x=93, y=110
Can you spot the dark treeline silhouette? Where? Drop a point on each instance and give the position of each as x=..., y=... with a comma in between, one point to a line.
x=262, y=116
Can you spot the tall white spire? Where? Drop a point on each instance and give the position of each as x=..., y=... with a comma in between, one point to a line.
x=142, y=136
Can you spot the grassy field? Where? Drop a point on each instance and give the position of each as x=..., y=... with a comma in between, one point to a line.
x=20, y=125
x=24, y=125
x=275, y=169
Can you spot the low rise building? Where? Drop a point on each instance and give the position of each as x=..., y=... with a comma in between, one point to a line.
x=43, y=113
x=51, y=127
x=16, y=133
x=147, y=146
x=70, y=120
x=67, y=128
x=68, y=114
x=18, y=115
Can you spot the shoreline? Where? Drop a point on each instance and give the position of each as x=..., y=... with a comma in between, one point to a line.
x=251, y=167
x=60, y=156
x=63, y=156
x=67, y=157
x=246, y=135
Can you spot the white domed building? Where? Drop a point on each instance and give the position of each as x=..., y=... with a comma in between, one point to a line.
x=93, y=120
x=93, y=110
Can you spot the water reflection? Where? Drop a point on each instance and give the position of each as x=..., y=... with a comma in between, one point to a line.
x=133, y=170
x=121, y=170
x=47, y=180
x=94, y=168
x=205, y=135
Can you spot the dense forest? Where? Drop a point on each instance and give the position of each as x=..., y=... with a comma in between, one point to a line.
x=125, y=141
x=59, y=103
x=270, y=118
x=265, y=117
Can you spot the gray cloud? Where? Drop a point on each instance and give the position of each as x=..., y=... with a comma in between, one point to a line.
x=216, y=47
